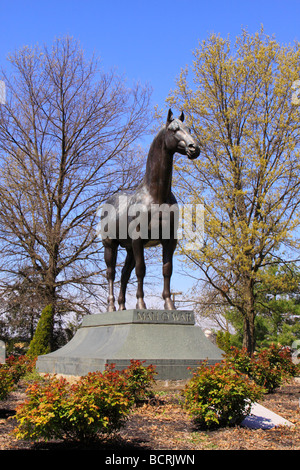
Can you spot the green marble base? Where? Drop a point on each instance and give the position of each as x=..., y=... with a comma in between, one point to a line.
x=170, y=340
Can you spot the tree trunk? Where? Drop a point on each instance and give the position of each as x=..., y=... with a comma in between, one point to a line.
x=249, y=317
x=249, y=334
x=50, y=299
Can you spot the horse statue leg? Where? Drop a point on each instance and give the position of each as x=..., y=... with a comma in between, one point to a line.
x=140, y=270
x=110, y=257
x=168, y=251
x=125, y=275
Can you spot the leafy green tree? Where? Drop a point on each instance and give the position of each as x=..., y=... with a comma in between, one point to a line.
x=277, y=306
x=238, y=102
x=41, y=342
x=278, y=303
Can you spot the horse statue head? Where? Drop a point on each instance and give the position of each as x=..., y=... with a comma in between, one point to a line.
x=178, y=137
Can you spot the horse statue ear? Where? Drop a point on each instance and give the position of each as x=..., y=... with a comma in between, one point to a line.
x=170, y=117
x=181, y=117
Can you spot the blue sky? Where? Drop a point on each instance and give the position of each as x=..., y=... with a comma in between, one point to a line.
x=146, y=41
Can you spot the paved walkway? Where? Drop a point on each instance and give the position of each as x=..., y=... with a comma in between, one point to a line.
x=262, y=418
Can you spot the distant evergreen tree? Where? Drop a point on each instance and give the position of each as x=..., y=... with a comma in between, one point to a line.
x=41, y=341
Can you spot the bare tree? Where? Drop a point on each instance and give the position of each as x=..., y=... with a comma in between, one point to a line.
x=67, y=132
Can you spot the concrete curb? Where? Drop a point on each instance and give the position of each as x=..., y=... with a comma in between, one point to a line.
x=262, y=418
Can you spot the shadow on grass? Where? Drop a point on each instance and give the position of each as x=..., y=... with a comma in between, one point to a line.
x=105, y=444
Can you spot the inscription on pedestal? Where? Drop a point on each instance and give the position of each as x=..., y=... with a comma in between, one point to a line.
x=146, y=316
x=179, y=317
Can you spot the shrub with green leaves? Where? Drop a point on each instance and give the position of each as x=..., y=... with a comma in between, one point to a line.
x=6, y=382
x=40, y=415
x=140, y=379
x=97, y=403
x=19, y=366
x=12, y=371
x=269, y=367
x=219, y=396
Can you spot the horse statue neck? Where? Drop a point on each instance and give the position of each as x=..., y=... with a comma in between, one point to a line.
x=158, y=176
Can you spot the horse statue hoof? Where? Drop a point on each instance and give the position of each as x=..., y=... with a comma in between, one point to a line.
x=169, y=305
x=140, y=304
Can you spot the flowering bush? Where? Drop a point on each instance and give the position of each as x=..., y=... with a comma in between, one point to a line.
x=6, y=382
x=19, y=366
x=239, y=359
x=12, y=371
x=139, y=379
x=40, y=415
x=219, y=396
x=97, y=403
x=269, y=367
x=100, y=402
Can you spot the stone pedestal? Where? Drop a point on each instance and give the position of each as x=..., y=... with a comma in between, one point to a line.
x=170, y=340
x=2, y=352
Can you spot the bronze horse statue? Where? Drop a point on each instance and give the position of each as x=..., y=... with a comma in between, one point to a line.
x=153, y=191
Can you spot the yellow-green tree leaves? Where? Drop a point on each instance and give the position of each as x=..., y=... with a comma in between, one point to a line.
x=238, y=100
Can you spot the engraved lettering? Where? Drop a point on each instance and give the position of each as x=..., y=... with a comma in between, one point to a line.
x=141, y=316
x=149, y=316
x=182, y=317
x=153, y=316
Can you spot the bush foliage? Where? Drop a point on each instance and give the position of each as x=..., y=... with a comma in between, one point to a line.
x=12, y=371
x=97, y=403
x=100, y=402
x=56, y=409
x=219, y=396
x=6, y=383
x=269, y=367
x=19, y=366
x=140, y=379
